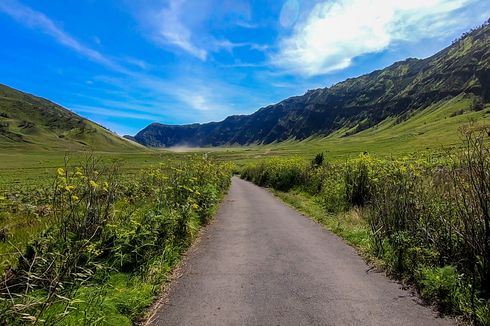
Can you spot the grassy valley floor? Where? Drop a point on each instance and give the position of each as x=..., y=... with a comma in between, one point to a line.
x=27, y=178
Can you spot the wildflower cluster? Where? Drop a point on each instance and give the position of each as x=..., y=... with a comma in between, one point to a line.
x=101, y=226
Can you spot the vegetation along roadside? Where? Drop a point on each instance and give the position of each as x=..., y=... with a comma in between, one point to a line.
x=425, y=220
x=104, y=244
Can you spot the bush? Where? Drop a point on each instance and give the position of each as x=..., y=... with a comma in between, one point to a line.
x=357, y=182
x=333, y=192
x=441, y=285
x=429, y=219
x=318, y=160
x=102, y=227
x=280, y=174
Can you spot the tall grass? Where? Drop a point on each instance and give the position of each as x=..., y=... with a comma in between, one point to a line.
x=109, y=239
x=428, y=220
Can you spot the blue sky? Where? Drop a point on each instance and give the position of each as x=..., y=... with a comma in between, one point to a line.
x=125, y=64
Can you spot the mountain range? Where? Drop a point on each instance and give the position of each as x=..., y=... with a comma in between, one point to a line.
x=395, y=99
x=398, y=91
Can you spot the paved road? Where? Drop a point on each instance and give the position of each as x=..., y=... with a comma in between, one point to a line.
x=261, y=263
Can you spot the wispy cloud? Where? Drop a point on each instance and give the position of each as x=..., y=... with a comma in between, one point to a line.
x=196, y=94
x=182, y=25
x=246, y=24
x=194, y=97
x=230, y=46
x=201, y=99
x=239, y=64
x=111, y=112
x=186, y=98
x=38, y=21
x=170, y=29
x=137, y=63
x=335, y=32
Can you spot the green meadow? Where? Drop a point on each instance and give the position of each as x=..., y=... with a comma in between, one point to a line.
x=429, y=131
x=32, y=201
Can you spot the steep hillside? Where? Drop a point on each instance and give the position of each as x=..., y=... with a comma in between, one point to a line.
x=396, y=92
x=30, y=122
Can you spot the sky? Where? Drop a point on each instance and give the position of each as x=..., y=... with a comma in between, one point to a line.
x=125, y=63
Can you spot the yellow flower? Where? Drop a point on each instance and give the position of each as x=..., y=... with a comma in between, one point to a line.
x=93, y=184
x=74, y=198
x=195, y=206
x=61, y=172
x=92, y=248
x=70, y=188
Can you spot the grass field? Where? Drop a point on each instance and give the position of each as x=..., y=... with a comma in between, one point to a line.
x=428, y=131
x=27, y=174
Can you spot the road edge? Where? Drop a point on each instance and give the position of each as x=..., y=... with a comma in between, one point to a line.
x=162, y=298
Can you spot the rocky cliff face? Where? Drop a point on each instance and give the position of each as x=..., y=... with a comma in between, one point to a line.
x=398, y=90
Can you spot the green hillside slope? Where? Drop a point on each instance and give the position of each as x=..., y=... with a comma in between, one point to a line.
x=427, y=131
x=30, y=122
x=356, y=104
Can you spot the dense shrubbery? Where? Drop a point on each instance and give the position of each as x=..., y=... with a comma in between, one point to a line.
x=106, y=235
x=429, y=221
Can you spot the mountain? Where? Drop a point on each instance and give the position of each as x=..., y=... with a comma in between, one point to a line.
x=398, y=91
x=31, y=122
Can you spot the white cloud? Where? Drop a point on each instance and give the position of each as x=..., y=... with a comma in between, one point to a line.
x=335, y=32
x=38, y=21
x=230, y=46
x=246, y=24
x=137, y=63
x=196, y=95
x=170, y=29
x=200, y=99
x=111, y=112
x=182, y=25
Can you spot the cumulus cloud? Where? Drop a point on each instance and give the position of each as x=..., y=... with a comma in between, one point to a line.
x=335, y=32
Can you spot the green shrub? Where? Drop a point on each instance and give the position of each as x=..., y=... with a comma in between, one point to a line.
x=424, y=214
x=441, y=285
x=333, y=193
x=280, y=174
x=103, y=229
x=357, y=183
x=318, y=160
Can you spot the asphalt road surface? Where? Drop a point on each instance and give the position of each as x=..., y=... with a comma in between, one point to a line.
x=262, y=263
